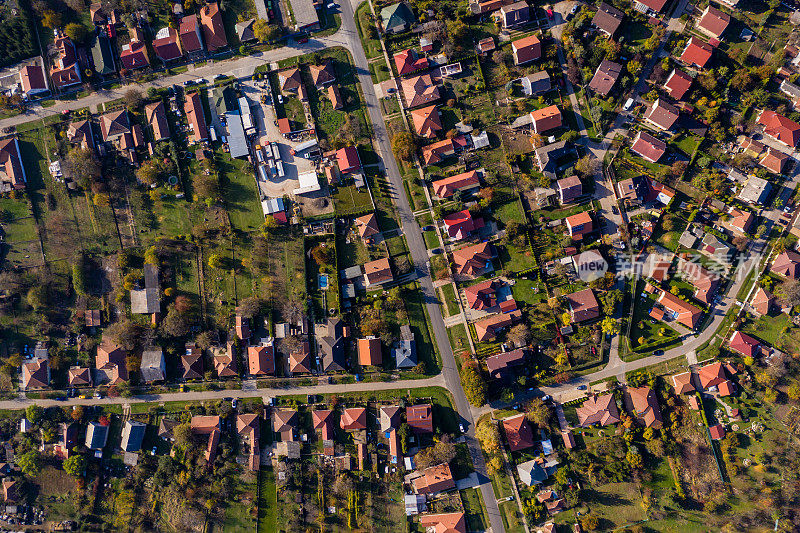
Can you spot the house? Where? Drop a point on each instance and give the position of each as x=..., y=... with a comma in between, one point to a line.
x=166, y=45
x=377, y=272
x=439, y=151
x=96, y=436
x=478, y=7
x=244, y=30
x=36, y=373
x=444, y=523
x=713, y=22
x=741, y=221
x=115, y=125
x=763, y=302
x=284, y=423
x=305, y=14
x=434, y=480
x=461, y=183
x=408, y=61
x=526, y=49
x=519, y=434
x=330, y=344
x=483, y=295
x=132, y=436
x=110, y=366
x=213, y=27
x=322, y=419
x=191, y=362
x=370, y=351
x=196, y=117
x=32, y=80
x=460, y=225
x=579, y=225
x=608, y=19
x=648, y=147
x=717, y=432
x=12, y=172
x=485, y=45
x=583, y=306
x=744, y=344
x=502, y=366
x=661, y=115
x=601, y=410
x=65, y=71
x=678, y=83
x=323, y=74
x=67, y=440
x=242, y=327
x=488, y=328
x=649, y=7
x=712, y=375
x=427, y=121
x=697, y=53
x=189, y=34
x=536, y=83
x=787, y=264
x=397, y=18
x=536, y=471
x=261, y=358
x=153, y=366
x=684, y=383
x=419, y=90
x=605, y=77
x=335, y=97
x=390, y=417
x=248, y=428
x=780, y=128
x=290, y=80
x=680, y=311
x=133, y=55
x=589, y=265
x=353, y=418
x=225, y=361
x=569, y=189
x=515, y=15
x=473, y=261
x=79, y=376
x=755, y=191
x=367, y=227
x=156, y=116
x=420, y=418
x=705, y=282
x=348, y=160
x=147, y=301
x=208, y=427
x=546, y=119
x=774, y=160
x=752, y=147
x=165, y=428
x=641, y=403
x=80, y=133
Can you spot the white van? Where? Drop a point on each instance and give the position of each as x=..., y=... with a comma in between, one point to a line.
x=628, y=104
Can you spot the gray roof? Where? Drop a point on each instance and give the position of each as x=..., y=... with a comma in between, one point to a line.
x=305, y=14
x=405, y=354
x=102, y=56
x=331, y=344
x=396, y=17
x=96, y=436
x=151, y=276
x=548, y=156
x=145, y=301
x=237, y=142
x=153, y=367
x=244, y=30
x=133, y=435
x=755, y=190
x=790, y=89
x=536, y=83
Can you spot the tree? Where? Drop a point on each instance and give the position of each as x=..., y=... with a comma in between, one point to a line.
x=264, y=31
x=51, y=19
x=538, y=412
x=207, y=186
x=590, y=522
x=38, y=297
x=440, y=453
x=323, y=255
x=74, y=465
x=133, y=98
x=82, y=166
x=76, y=32
x=155, y=169
x=488, y=435
x=403, y=145
x=789, y=291
x=125, y=333
x=250, y=307
x=30, y=463
x=793, y=391
x=474, y=385
x=34, y=414
x=182, y=434
x=175, y=324
x=587, y=165
x=216, y=261
x=609, y=326
x=520, y=334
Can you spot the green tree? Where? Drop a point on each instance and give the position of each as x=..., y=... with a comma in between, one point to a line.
x=264, y=31
x=76, y=32
x=609, y=325
x=34, y=414
x=403, y=146
x=475, y=387
x=488, y=435
x=74, y=465
x=30, y=463
x=79, y=276
x=38, y=297
x=538, y=412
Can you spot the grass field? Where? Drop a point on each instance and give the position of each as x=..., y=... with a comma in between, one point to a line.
x=349, y=200
x=449, y=299
x=458, y=338
x=241, y=194
x=372, y=46
x=267, y=501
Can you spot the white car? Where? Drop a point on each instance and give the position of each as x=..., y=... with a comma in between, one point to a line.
x=280, y=98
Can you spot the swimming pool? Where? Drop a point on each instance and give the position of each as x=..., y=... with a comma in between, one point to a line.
x=322, y=280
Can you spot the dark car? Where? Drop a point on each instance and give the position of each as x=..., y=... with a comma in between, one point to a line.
x=658, y=352
x=436, y=251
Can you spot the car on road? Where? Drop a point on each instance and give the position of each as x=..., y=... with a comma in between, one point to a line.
x=280, y=98
x=219, y=77
x=428, y=228
x=581, y=387
x=188, y=83
x=461, y=428
x=658, y=352
x=575, y=9
x=60, y=398
x=436, y=251
x=234, y=403
x=546, y=398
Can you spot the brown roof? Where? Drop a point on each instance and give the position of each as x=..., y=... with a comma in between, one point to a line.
x=774, y=160
x=196, y=117
x=378, y=271
x=583, y=305
x=284, y=422
x=683, y=383
x=225, y=362
x=335, y=96
x=426, y=121
x=643, y=404
x=370, y=351
x=488, y=328
x=80, y=132
x=434, y=479
x=115, y=124
x=783, y=129
x=213, y=28
x=111, y=359
x=367, y=226
x=713, y=22
x=662, y=114
x=11, y=163
x=36, y=373
x=787, y=264
x=79, y=376
x=447, y=187
x=598, y=410
x=32, y=77
x=290, y=79
x=519, y=434
x=353, y=418
x=322, y=420
x=322, y=74
x=763, y=301
x=712, y=374
x=526, y=49
x=168, y=48
x=444, y=523
x=608, y=19
x=697, y=53
x=189, y=33
x=156, y=116
x=744, y=344
x=678, y=83
x=261, y=360
x=192, y=365
x=420, y=418
x=419, y=90
x=546, y=119
x=605, y=77
x=649, y=147
x=474, y=260
x=300, y=359
x=687, y=314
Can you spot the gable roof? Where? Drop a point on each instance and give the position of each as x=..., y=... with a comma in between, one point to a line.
x=643, y=404
x=774, y=160
x=244, y=30
x=488, y=328
x=447, y=187
x=713, y=22
x=649, y=147
x=608, y=19
x=225, y=361
x=546, y=119
x=31, y=77
x=353, y=418
x=426, y=121
x=605, y=77
x=527, y=49
x=166, y=45
x=783, y=129
x=11, y=168
x=367, y=225
x=683, y=383
x=787, y=264
x=419, y=90
x=444, y=523
x=686, y=313
x=290, y=79
x=697, y=53
x=663, y=114
x=196, y=117
x=583, y=305
x=213, y=28
x=475, y=259
x=519, y=433
x=712, y=375
x=370, y=351
x=420, y=418
x=378, y=271
x=744, y=344
x=678, y=83
x=189, y=33
x=156, y=116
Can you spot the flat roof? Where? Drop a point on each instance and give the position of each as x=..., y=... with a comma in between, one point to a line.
x=237, y=142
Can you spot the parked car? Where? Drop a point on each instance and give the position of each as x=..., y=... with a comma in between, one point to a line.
x=658, y=352
x=581, y=387
x=436, y=251
x=461, y=428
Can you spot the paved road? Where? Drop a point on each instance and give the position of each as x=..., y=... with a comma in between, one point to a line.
x=419, y=254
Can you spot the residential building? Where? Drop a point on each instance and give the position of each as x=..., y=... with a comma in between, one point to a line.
x=32, y=80
x=608, y=19
x=156, y=116
x=548, y=157
x=244, y=30
x=605, y=77
x=787, y=264
x=353, y=418
x=682, y=312
x=546, y=119
x=488, y=328
x=583, y=306
x=526, y=49
x=134, y=55
x=397, y=18
x=678, y=83
x=248, y=428
x=780, y=128
x=405, y=350
x=600, y=410
x=461, y=224
x=419, y=90
x=335, y=97
x=755, y=191
x=515, y=15
x=330, y=344
x=408, y=61
x=434, y=480
x=323, y=74
x=579, y=225
x=713, y=22
x=322, y=419
x=377, y=272
x=464, y=182
x=110, y=365
x=569, y=189
x=189, y=34
x=420, y=418
x=166, y=45
x=370, y=351
x=661, y=115
x=153, y=366
x=196, y=117
x=763, y=302
x=305, y=14
x=503, y=366
x=684, y=383
x=191, y=362
x=744, y=344
x=367, y=227
x=12, y=172
x=473, y=261
x=482, y=296
x=65, y=71
x=714, y=377
x=774, y=160
x=79, y=376
x=519, y=434
x=649, y=7
x=648, y=147
x=96, y=436
x=697, y=53
x=225, y=363
x=536, y=471
x=427, y=121
x=444, y=523
x=641, y=403
x=536, y=84
x=132, y=436
x=80, y=133
x=36, y=373
x=486, y=45
x=213, y=27
x=261, y=358
x=705, y=282
x=242, y=327
x=208, y=427
x=284, y=423
x=290, y=80
x=348, y=160
x=437, y=152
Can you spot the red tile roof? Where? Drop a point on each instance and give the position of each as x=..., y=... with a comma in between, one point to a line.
x=649, y=147
x=526, y=49
x=787, y=264
x=213, y=28
x=744, y=344
x=426, y=121
x=678, y=83
x=348, y=160
x=712, y=374
x=687, y=314
x=519, y=434
x=420, y=418
x=408, y=61
x=167, y=48
x=583, y=305
x=196, y=117
x=474, y=260
x=353, y=418
x=546, y=119
x=781, y=128
x=134, y=55
x=598, y=410
x=697, y=53
x=32, y=78
x=189, y=32
x=447, y=187
x=774, y=160
x=370, y=351
x=713, y=22
x=261, y=360
x=643, y=404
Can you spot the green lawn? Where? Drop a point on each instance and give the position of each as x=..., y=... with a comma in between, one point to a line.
x=473, y=508
x=524, y=292
x=449, y=299
x=349, y=200
x=769, y=328
x=458, y=337
x=418, y=320
x=267, y=501
x=516, y=260
x=509, y=211
x=241, y=193
x=372, y=46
